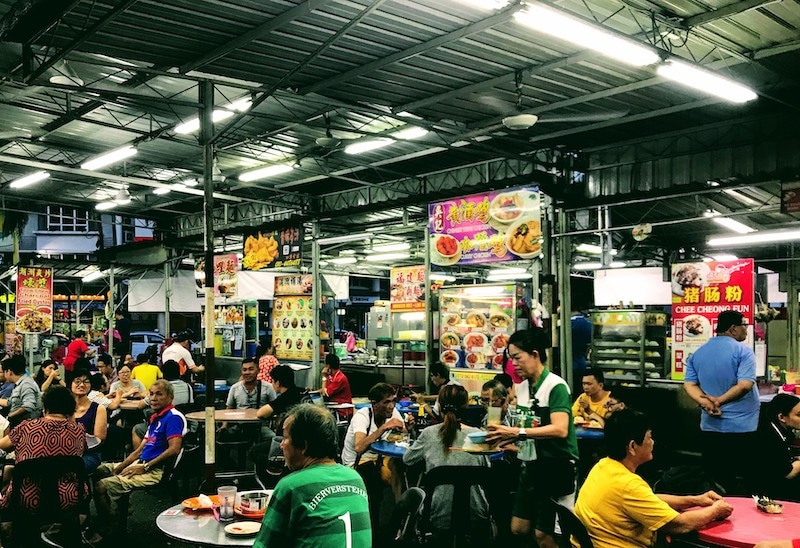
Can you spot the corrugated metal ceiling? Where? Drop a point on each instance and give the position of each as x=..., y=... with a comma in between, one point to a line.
x=358, y=64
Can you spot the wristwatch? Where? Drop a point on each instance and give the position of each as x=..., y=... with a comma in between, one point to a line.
x=523, y=435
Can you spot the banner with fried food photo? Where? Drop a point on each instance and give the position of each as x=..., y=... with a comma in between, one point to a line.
x=264, y=249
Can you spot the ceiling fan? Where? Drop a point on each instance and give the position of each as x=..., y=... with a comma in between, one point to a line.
x=517, y=119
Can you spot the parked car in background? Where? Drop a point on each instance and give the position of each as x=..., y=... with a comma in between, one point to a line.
x=142, y=340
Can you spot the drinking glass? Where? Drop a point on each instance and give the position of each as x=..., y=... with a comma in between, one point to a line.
x=493, y=415
x=227, y=498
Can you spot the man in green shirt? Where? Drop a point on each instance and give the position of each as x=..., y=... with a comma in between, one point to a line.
x=321, y=503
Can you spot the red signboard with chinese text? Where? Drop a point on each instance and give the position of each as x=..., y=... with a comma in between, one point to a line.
x=700, y=291
x=34, y=300
x=407, y=288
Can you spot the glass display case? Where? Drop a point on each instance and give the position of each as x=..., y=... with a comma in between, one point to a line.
x=235, y=328
x=630, y=345
x=475, y=323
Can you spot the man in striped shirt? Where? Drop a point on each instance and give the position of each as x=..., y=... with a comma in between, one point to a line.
x=321, y=503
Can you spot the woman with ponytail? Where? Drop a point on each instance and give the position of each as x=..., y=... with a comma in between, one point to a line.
x=440, y=445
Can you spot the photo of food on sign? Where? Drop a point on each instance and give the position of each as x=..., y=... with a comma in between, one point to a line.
x=689, y=275
x=485, y=228
x=259, y=251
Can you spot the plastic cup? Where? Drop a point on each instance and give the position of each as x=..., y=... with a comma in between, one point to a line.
x=493, y=415
x=227, y=499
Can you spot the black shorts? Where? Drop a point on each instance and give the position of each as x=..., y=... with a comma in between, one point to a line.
x=540, y=481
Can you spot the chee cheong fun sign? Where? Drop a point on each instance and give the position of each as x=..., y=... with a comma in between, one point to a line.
x=700, y=291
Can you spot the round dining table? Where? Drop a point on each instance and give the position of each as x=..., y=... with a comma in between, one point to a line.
x=583, y=433
x=227, y=415
x=197, y=527
x=748, y=526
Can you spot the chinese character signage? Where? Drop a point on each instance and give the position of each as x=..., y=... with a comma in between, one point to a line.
x=226, y=271
x=486, y=228
x=700, y=291
x=226, y=275
x=407, y=288
x=294, y=284
x=34, y=300
x=790, y=197
x=272, y=249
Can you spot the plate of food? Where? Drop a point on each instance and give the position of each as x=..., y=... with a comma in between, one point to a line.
x=243, y=528
x=452, y=320
x=203, y=502
x=449, y=357
x=475, y=341
x=476, y=318
x=506, y=207
x=689, y=275
x=696, y=326
x=499, y=342
x=450, y=340
x=476, y=360
x=499, y=320
x=766, y=504
x=497, y=360
x=524, y=238
x=445, y=250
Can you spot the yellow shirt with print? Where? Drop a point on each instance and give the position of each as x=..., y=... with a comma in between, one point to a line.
x=594, y=407
x=619, y=509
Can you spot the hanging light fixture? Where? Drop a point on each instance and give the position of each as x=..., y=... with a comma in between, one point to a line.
x=123, y=197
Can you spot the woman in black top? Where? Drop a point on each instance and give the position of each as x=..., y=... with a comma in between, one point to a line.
x=779, y=478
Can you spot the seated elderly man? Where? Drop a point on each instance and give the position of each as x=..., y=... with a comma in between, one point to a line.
x=616, y=505
x=144, y=467
x=591, y=405
x=321, y=503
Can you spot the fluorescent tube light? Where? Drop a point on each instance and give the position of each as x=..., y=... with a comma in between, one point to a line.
x=725, y=257
x=265, y=172
x=412, y=316
x=366, y=146
x=103, y=206
x=442, y=277
x=597, y=266
x=386, y=248
x=484, y=291
x=706, y=81
x=734, y=225
x=513, y=270
x=96, y=275
x=343, y=260
x=382, y=257
x=509, y=276
x=345, y=238
x=485, y=5
x=193, y=124
x=410, y=133
x=28, y=180
x=178, y=186
x=760, y=237
x=190, y=182
x=586, y=35
x=592, y=248
x=162, y=190
x=109, y=158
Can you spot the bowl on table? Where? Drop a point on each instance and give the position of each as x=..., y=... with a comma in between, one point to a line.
x=477, y=437
x=404, y=403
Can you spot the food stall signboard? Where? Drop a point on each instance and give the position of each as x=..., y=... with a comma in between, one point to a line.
x=490, y=227
x=34, y=300
x=407, y=288
x=265, y=249
x=700, y=291
x=293, y=318
x=226, y=275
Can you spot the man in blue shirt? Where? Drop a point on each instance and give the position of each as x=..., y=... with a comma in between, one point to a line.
x=721, y=378
x=144, y=467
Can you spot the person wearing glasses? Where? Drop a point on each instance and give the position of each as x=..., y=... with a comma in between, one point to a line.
x=89, y=414
x=721, y=378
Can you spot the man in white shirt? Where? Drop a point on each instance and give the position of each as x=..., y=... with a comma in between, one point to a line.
x=368, y=425
x=179, y=351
